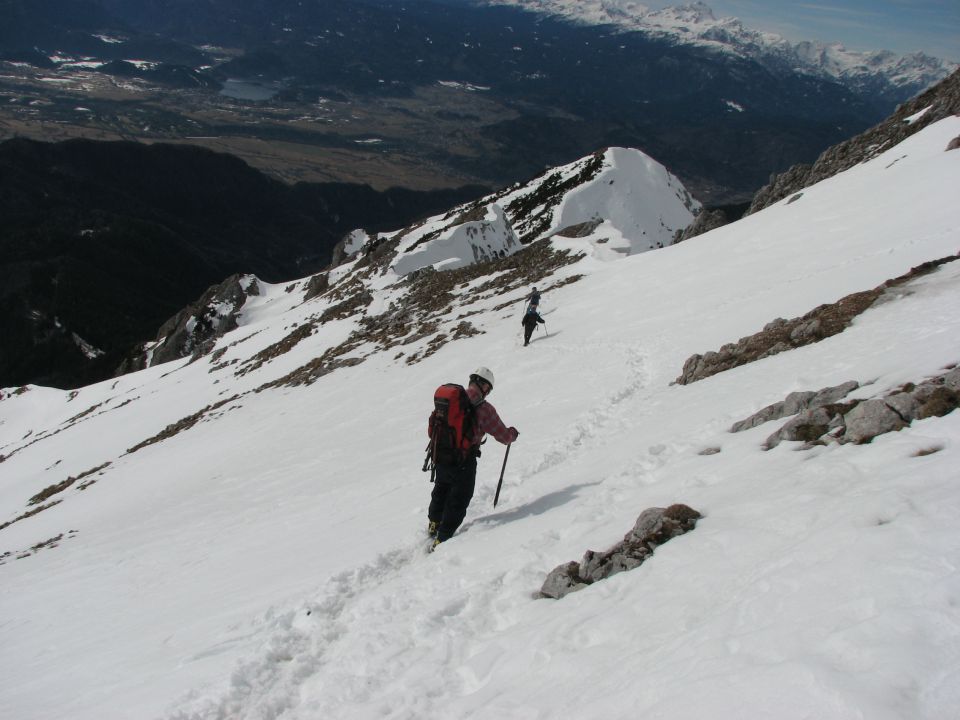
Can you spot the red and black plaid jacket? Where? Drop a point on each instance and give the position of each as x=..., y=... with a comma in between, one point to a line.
x=488, y=421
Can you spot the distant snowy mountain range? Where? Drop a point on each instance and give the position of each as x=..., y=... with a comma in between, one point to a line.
x=696, y=24
x=444, y=93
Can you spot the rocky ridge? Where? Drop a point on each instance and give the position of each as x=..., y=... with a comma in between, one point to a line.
x=781, y=335
x=936, y=103
x=653, y=528
x=195, y=329
x=822, y=417
x=505, y=234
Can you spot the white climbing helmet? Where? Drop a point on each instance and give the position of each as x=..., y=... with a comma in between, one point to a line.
x=483, y=373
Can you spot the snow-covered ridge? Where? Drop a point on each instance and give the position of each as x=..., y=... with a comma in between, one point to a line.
x=480, y=240
x=634, y=200
x=621, y=200
x=625, y=200
x=696, y=24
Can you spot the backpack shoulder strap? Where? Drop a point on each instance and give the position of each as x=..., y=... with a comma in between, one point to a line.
x=471, y=412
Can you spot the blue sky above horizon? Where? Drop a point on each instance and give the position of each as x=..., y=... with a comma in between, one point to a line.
x=903, y=26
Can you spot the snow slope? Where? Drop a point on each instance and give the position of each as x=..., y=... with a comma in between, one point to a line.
x=268, y=561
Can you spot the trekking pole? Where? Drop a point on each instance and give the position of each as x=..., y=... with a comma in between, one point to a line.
x=500, y=484
x=430, y=461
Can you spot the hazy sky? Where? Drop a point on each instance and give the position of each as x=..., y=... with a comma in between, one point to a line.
x=903, y=26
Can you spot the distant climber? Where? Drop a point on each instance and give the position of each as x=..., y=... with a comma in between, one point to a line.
x=460, y=419
x=529, y=322
x=532, y=300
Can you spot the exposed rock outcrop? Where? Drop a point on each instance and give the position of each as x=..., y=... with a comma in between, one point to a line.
x=193, y=330
x=780, y=335
x=796, y=402
x=820, y=418
x=812, y=424
x=580, y=230
x=937, y=103
x=705, y=221
x=348, y=246
x=316, y=286
x=654, y=527
x=532, y=212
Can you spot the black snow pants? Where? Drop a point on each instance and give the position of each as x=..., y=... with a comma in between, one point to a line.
x=528, y=331
x=452, y=493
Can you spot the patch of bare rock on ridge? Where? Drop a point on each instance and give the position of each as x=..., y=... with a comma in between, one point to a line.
x=824, y=417
x=705, y=221
x=781, y=335
x=820, y=418
x=430, y=300
x=653, y=528
x=183, y=424
x=195, y=329
x=936, y=103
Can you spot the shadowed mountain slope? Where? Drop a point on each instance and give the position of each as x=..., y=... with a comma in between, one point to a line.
x=102, y=242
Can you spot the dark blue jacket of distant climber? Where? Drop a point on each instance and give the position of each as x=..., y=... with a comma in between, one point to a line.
x=532, y=300
x=529, y=322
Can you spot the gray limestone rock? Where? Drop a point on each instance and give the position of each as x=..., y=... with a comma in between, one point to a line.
x=904, y=404
x=834, y=394
x=807, y=426
x=827, y=418
x=770, y=412
x=316, y=286
x=562, y=580
x=704, y=222
x=952, y=379
x=796, y=402
x=599, y=566
x=934, y=400
x=869, y=419
x=653, y=527
x=194, y=330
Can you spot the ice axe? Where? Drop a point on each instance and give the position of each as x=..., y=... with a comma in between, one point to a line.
x=496, y=497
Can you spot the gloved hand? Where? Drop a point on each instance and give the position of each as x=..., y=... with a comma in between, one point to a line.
x=514, y=434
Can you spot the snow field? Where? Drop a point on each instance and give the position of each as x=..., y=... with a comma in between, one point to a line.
x=271, y=563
